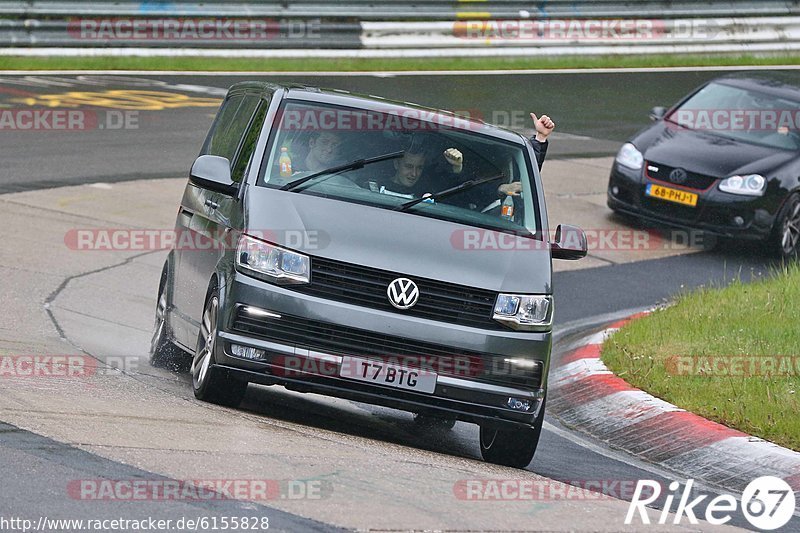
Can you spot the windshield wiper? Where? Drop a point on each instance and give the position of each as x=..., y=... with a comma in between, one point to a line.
x=449, y=192
x=353, y=165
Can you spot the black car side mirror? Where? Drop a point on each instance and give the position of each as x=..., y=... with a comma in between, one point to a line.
x=214, y=173
x=657, y=113
x=569, y=243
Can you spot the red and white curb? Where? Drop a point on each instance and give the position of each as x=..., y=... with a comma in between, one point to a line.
x=585, y=394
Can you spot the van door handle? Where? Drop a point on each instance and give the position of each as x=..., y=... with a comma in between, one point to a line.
x=212, y=204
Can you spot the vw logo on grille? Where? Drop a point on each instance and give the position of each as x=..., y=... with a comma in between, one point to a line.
x=678, y=175
x=403, y=293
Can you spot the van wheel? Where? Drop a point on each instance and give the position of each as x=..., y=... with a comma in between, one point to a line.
x=209, y=382
x=163, y=353
x=785, y=239
x=511, y=447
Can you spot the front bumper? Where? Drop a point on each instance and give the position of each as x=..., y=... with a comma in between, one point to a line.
x=310, y=365
x=716, y=212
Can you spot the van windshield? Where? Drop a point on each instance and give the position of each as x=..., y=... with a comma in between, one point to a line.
x=459, y=175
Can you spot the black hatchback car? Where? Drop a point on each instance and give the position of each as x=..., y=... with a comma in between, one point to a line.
x=308, y=256
x=725, y=160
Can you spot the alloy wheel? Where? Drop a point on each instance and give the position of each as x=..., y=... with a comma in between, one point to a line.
x=205, y=349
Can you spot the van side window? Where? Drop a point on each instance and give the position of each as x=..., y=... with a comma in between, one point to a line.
x=249, y=144
x=232, y=120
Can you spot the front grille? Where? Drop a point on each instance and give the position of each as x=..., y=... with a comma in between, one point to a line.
x=693, y=180
x=364, y=286
x=343, y=340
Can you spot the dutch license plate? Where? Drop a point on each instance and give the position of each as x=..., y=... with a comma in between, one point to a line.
x=388, y=374
x=671, y=195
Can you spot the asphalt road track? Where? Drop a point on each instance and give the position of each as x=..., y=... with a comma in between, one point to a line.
x=165, y=142
x=598, y=111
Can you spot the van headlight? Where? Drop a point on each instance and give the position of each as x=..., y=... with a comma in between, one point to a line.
x=524, y=312
x=629, y=156
x=271, y=262
x=752, y=185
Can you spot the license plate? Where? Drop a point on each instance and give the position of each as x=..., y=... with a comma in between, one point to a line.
x=671, y=195
x=388, y=374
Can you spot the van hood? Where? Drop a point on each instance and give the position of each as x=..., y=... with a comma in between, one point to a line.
x=404, y=243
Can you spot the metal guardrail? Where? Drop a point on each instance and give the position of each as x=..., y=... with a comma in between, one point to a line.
x=554, y=33
x=390, y=10
x=435, y=27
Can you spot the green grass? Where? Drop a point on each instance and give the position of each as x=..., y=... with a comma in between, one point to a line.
x=347, y=65
x=758, y=319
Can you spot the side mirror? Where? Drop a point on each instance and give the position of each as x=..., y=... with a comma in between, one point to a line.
x=569, y=243
x=657, y=113
x=214, y=173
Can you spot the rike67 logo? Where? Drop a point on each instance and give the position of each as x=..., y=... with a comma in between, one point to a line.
x=768, y=503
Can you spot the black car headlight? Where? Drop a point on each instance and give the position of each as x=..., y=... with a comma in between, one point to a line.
x=630, y=157
x=271, y=262
x=524, y=312
x=751, y=185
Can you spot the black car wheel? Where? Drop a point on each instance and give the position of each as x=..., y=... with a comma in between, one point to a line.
x=163, y=353
x=209, y=382
x=511, y=447
x=786, y=233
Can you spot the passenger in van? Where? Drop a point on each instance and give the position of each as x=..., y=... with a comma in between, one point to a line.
x=544, y=127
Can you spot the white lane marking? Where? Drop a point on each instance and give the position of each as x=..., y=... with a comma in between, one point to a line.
x=631, y=460
x=600, y=337
x=576, y=371
x=617, y=411
x=738, y=458
x=101, y=185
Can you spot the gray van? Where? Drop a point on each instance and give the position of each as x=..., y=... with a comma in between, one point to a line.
x=371, y=250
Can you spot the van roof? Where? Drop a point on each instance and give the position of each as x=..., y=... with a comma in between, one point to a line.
x=296, y=91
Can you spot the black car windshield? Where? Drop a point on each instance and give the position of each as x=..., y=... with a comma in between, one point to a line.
x=419, y=158
x=742, y=114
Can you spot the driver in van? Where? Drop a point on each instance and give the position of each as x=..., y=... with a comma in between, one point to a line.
x=323, y=151
x=408, y=180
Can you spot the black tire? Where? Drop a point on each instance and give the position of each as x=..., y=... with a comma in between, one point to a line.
x=209, y=382
x=785, y=239
x=511, y=447
x=163, y=353
x=434, y=423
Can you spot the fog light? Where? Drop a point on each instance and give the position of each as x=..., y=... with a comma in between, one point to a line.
x=248, y=352
x=519, y=405
x=739, y=221
x=615, y=190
